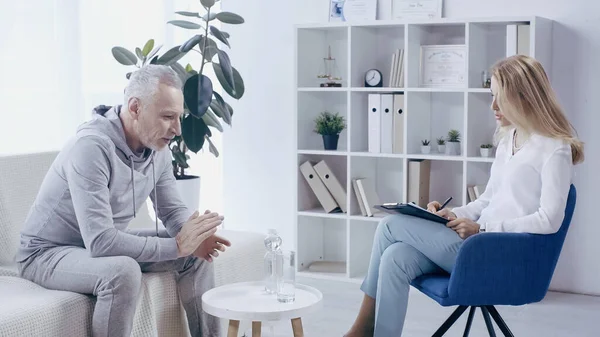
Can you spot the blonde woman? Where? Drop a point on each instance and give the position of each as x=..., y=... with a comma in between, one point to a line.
x=527, y=192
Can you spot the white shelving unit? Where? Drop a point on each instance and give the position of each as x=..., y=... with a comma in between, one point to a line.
x=429, y=113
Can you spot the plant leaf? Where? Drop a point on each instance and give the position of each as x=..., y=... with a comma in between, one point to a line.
x=139, y=54
x=191, y=14
x=188, y=68
x=217, y=33
x=193, y=131
x=154, y=60
x=231, y=18
x=128, y=75
x=212, y=147
x=180, y=159
x=185, y=24
x=208, y=18
x=124, y=56
x=154, y=51
x=239, y=82
x=225, y=34
x=189, y=44
x=211, y=48
x=211, y=120
x=230, y=112
x=226, y=68
x=148, y=48
x=171, y=56
x=207, y=3
x=223, y=109
x=197, y=93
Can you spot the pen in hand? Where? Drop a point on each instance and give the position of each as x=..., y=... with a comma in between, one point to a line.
x=445, y=203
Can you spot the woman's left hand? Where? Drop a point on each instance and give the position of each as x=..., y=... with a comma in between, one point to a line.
x=464, y=227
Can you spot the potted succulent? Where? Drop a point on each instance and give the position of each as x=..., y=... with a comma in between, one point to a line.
x=453, y=143
x=441, y=142
x=329, y=125
x=204, y=108
x=425, y=148
x=486, y=150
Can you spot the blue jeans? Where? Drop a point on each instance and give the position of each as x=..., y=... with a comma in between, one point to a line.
x=405, y=248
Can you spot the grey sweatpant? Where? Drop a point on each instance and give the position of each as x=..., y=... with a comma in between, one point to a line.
x=116, y=281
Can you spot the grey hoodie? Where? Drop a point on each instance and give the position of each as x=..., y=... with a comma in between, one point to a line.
x=91, y=193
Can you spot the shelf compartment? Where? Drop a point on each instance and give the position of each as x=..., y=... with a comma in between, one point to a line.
x=359, y=122
x=307, y=199
x=431, y=115
x=487, y=45
x=381, y=43
x=481, y=123
x=385, y=175
x=310, y=106
x=313, y=45
x=477, y=174
x=361, y=238
x=321, y=239
x=446, y=180
x=429, y=34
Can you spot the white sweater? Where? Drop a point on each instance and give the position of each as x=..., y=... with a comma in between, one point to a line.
x=526, y=192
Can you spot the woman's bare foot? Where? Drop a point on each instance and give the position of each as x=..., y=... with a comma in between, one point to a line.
x=365, y=321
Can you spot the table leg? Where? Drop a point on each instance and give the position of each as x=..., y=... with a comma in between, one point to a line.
x=297, y=327
x=256, y=329
x=234, y=326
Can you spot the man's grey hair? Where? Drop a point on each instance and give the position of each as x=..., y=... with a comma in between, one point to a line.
x=144, y=82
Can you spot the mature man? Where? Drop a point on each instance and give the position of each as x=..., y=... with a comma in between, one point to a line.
x=75, y=237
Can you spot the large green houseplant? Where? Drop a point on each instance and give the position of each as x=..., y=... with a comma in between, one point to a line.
x=204, y=107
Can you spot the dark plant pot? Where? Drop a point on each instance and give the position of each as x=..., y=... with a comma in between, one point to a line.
x=330, y=142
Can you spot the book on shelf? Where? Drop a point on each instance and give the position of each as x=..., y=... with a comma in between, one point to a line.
x=418, y=181
x=397, y=69
x=366, y=196
x=475, y=191
x=385, y=123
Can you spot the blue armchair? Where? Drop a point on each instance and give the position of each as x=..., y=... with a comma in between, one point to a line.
x=497, y=269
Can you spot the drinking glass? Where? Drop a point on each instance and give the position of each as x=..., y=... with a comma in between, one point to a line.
x=286, y=282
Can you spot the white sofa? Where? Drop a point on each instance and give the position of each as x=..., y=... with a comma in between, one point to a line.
x=28, y=309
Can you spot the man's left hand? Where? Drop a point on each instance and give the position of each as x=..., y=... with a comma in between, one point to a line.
x=464, y=227
x=210, y=247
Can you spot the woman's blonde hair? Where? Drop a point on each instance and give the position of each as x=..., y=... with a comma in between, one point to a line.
x=526, y=98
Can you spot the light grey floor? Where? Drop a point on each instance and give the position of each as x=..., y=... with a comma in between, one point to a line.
x=558, y=315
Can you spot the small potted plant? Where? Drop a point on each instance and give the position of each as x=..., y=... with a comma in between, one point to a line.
x=486, y=150
x=330, y=125
x=425, y=148
x=441, y=142
x=453, y=143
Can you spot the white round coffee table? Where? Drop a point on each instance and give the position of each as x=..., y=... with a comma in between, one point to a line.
x=249, y=301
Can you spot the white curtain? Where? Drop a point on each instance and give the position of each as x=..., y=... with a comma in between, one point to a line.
x=56, y=65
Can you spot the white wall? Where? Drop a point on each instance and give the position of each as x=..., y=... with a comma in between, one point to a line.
x=261, y=139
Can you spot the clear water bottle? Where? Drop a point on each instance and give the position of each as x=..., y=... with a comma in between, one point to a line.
x=273, y=246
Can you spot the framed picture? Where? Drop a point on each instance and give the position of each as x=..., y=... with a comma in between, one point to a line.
x=443, y=66
x=352, y=10
x=417, y=9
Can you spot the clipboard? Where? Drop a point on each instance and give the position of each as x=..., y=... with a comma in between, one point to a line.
x=412, y=210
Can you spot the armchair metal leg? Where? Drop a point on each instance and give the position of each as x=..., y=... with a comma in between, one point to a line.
x=501, y=324
x=451, y=320
x=469, y=321
x=488, y=321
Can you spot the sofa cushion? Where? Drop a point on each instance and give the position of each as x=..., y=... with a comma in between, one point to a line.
x=20, y=180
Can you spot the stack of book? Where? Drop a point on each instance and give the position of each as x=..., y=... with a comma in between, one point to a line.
x=397, y=69
x=325, y=185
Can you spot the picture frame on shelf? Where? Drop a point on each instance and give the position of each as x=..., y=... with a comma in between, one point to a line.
x=416, y=9
x=443, y=66
x=352, y=10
